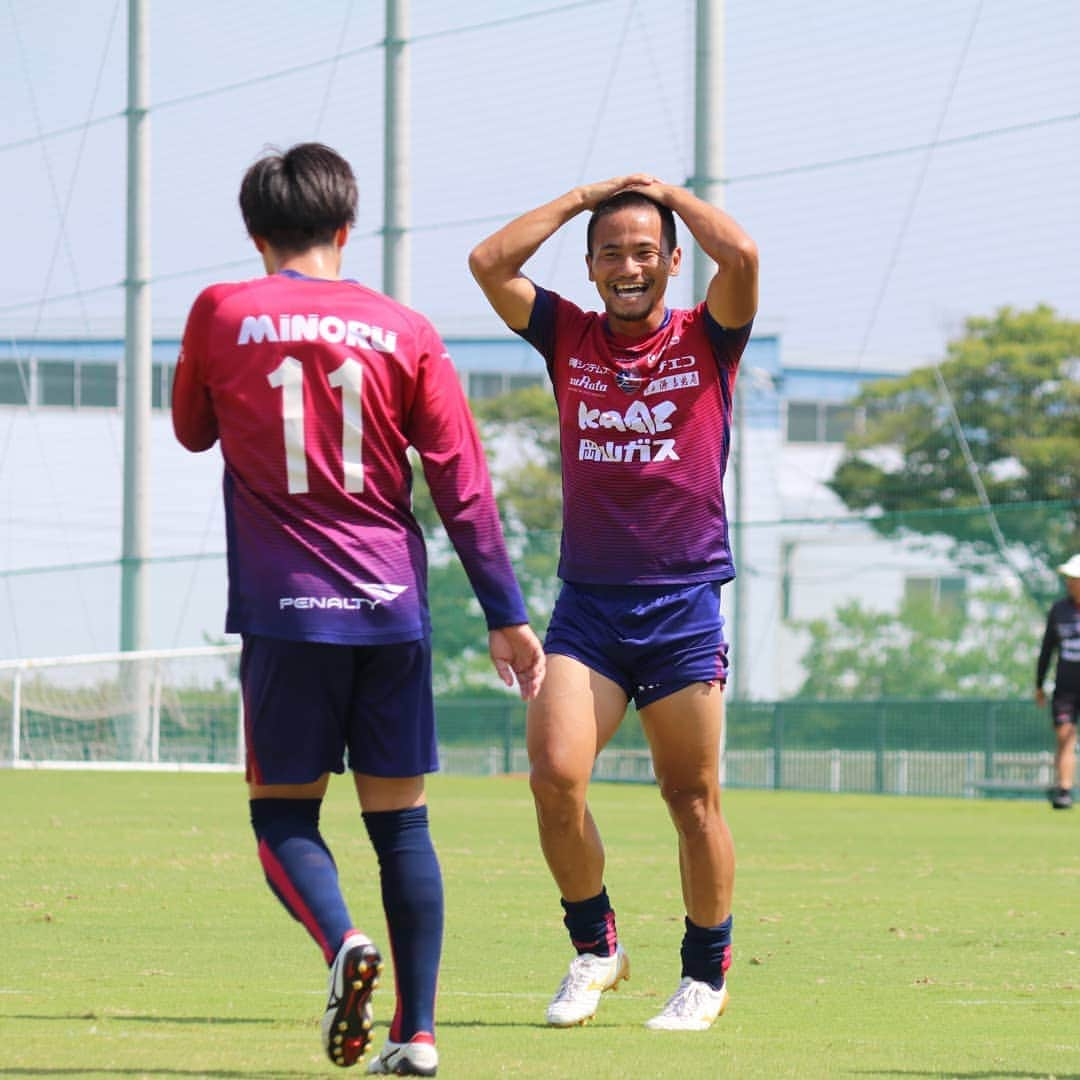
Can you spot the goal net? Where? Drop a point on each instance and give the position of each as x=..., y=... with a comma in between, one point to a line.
x=153, y=709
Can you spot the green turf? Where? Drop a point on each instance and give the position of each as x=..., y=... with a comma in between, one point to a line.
x=875, y=936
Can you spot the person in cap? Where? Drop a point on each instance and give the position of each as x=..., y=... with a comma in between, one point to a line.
x=1062, y=635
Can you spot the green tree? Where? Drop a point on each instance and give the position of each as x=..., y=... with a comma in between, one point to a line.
x=1014, y=382
x=521, y=439
x=986, y=648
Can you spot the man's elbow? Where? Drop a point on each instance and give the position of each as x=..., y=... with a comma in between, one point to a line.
x=745, y=259
x=195, y=438
x=481, y=263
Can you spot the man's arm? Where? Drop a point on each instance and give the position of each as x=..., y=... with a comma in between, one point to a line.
x=497, y=261
x=732, y=295
x=192, y=410
x=1046, y=652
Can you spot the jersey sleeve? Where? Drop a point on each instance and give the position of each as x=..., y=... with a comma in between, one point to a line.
x=445, y=436
x=540, y=333
x=193, y=415
x=728, y=345
x=1046, y=651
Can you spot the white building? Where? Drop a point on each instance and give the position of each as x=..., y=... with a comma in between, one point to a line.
x=61, y=433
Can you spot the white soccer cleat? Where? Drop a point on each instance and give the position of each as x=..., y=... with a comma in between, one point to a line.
x=579, y=993
x=418, y=1057
x=346, y=1024
x=693, y=1007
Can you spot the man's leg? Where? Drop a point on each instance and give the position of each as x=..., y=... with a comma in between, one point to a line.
x=296, y=861
x=396, y=817
x=392, y=745
x=295, y=694
x=684, y=732
x=1064, y=753
x=574, y=716
x=302, y=874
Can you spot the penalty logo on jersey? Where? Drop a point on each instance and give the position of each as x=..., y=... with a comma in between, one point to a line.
x=380, y=593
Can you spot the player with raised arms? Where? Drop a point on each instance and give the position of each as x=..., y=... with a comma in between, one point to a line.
x=644, y=400
x=316, y=387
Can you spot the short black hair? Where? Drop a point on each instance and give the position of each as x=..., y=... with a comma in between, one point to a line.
x=619, y=201
x=299, y=198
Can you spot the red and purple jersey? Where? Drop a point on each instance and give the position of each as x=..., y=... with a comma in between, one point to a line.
x=645, y=427
x=316, y=390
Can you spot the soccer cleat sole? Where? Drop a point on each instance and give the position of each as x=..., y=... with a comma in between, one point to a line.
x=350, y=1031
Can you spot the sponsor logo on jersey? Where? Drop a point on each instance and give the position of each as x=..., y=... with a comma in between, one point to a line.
x=583, y=382
x=677, y=363
x=637, y=450
x=255, y=329
x=377, y=594
x=671, y=382
x=629, y=382
x=587, y=367
x=639, y=417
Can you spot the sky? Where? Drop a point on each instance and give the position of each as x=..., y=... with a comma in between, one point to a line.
x=902, y=167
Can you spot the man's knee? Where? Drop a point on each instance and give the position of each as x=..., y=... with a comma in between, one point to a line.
x=693, y=807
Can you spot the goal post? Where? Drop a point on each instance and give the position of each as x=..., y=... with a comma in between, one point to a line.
x=150, y=709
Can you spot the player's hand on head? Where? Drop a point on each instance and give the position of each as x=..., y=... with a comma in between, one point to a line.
x=518, y=655
x=595, y=194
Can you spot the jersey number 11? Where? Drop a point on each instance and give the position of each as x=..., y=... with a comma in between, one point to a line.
x=289, y=376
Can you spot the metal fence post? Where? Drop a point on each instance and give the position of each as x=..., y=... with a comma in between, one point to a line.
x=990, y=749
x=508, y=738
x=16, y=716
x=879, y=750
x=778, y=745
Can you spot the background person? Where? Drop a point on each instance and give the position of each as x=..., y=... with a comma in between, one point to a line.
x=644, y=399
x=316, y=387
x=1062, y=635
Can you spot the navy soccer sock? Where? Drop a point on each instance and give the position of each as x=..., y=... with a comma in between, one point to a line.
x=412, y=896
x=706, y=952
x=300, y=869
x=591, y=924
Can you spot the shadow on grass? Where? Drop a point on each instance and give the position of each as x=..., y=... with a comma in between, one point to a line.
x=972, y=1074
x=238, y=1074
x=124, y=1017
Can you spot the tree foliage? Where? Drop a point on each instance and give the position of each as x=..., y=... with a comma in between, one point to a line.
x=978, y=650
x=1013, y=380
x=521, y=440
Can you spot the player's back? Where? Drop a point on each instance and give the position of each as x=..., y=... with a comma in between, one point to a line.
x=312, y=387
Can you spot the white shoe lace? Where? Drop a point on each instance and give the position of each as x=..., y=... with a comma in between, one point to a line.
x=578, y=978
x=691, y=1000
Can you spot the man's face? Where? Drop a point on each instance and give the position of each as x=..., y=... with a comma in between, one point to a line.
x=1072, y=586
x=631, y=269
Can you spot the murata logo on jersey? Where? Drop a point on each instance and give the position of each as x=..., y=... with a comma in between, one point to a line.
x=255, y=329
x=639, y=417
x=377, y=594
x=589, y=386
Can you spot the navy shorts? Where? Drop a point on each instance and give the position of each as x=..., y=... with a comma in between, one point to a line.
x=651, y=640
x=307, y=704
x=1064, y=707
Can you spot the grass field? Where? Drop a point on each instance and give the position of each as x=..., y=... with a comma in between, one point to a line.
x=874, y=936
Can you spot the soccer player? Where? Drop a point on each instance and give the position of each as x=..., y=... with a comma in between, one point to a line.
x=316, y=387
x=1062, y=635
x=644, y=400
